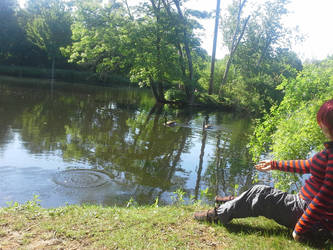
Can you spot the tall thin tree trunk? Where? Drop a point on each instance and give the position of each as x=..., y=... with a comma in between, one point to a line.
x=178, y=45
x=212, y=67
x=160, y=90
x=232, y=52
x=181, y=60
x=128, y=9
x=188, y=88
x=268, y=43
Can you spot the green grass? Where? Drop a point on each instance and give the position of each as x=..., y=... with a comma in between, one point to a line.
x=170, y=227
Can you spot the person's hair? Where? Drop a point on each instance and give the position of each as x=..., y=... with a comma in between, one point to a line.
x=325, y=115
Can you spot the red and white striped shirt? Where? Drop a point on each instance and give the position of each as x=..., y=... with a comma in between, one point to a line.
x=317, y=190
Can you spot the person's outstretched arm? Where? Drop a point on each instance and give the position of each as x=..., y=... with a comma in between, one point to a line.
x=294, y=166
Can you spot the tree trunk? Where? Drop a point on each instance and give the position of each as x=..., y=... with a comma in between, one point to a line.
x=188, y=88
x=178, y=45
x=160, y=89
x=128, y=10
x=181, y=60
x=268, y=43
x=235, y=44
x=212, y=67
x=154, y=90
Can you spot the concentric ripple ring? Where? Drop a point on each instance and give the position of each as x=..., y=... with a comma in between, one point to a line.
x=81, y=178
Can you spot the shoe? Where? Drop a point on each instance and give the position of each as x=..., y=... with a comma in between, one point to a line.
x=221, y=200
x=208, y=215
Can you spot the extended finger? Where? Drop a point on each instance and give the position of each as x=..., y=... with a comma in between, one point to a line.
x=261, y=162
x=264, y=162
x=264, y=168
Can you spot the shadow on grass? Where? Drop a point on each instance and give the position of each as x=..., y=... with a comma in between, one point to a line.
x=315, y=240
x=252, y=229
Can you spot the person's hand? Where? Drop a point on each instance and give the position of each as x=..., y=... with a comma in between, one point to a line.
x=264, y=166
x=296, y=236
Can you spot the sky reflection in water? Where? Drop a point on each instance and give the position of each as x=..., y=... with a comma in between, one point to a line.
x=120, y=133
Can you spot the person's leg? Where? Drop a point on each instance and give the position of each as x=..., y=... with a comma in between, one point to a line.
x=265, y=201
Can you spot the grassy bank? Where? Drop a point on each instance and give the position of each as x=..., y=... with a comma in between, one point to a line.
x=63, y=75
x=29, y=226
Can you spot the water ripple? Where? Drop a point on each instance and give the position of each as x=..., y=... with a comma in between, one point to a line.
x=81, y=178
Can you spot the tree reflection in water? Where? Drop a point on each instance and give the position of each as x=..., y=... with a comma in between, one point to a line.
x=121, y=132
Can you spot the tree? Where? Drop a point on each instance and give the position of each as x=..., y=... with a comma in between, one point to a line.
x=100, y=40
x=236, y=38
x=155, y=62
x=183, y=21
x=179, y=42
x=9, y=29
x=217, y=17
x=264, y=38
x=262, y=59
x=272, y=31
x=153, y=46
x=48, y=27
x=159, y=93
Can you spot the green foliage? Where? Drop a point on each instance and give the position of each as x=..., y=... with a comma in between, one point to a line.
x=155, y=205
x=152, y=44
x=218, y=74
x=148, y=46
x=264, y=38
x=262, y=58
x=49, y=28
x=100, y=38
x=132, y=203
x=212, y=101
x=175, y=95
x=8, y=28
x=14, y=47
x=286, y=182
x=290, y=130
x=178, y=197
x=204, y=193
x=31, y=205
x=253, y=94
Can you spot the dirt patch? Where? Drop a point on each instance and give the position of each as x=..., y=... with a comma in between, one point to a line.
x=19, y=239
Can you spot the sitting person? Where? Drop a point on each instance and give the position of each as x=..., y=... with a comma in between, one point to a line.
x=311, y=208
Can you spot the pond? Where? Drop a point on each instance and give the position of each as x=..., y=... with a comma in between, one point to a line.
x=84, y=144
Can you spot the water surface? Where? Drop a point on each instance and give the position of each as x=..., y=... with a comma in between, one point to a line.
x=109, y=145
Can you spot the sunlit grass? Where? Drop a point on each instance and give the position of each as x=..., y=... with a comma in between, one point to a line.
x=150, y=227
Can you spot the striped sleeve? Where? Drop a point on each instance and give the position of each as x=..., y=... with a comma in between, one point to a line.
x=321, y=202
x=294, y=166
